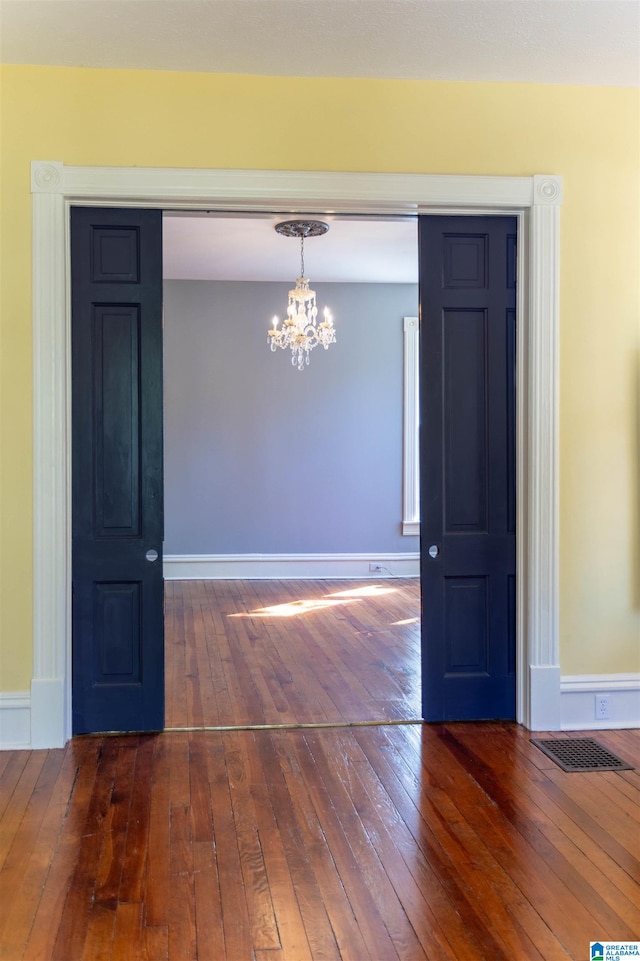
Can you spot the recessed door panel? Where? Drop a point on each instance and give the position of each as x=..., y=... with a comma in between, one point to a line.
x=116, y=407
x=465, y=420
x=465, y=261
x=115, y=254
x=117, y=613
x=466, y=625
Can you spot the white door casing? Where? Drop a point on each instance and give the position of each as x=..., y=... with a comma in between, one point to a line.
x=534, y=200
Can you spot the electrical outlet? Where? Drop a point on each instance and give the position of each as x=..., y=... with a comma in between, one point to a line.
x=375, y=568
x=602, y=707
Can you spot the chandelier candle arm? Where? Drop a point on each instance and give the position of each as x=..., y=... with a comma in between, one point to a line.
x=299, y=332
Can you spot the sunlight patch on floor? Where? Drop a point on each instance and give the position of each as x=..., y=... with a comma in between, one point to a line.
x=307, y=606
x=370, y=590
x=292, y=609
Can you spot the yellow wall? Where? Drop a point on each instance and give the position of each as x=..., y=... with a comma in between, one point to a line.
x=588, y=135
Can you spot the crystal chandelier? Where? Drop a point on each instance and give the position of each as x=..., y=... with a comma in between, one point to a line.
x=300, y=332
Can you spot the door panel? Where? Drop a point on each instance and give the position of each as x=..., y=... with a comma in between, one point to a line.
x=465, y=422
x=117, y=509
x=467, y=376
x=116, y=344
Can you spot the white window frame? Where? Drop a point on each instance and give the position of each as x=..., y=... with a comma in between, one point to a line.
x=411, y=429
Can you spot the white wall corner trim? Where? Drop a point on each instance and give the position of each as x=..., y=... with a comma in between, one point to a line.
x=15, y=720
x=578, y=701
x=534, y=200
x=288, y=566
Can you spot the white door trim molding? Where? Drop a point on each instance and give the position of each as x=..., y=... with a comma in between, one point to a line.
x=535, y=200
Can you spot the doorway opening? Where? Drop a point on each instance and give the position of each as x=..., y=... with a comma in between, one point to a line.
x=535, y=200
x=273, y=475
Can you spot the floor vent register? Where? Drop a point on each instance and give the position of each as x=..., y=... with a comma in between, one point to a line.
x=580, y=754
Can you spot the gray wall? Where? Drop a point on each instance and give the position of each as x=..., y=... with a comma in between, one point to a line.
x=262, y=458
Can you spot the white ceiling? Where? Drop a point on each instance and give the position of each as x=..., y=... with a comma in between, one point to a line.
x=355, y=250
x=543, y=41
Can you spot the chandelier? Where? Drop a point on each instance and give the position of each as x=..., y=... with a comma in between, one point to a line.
x=300, y=332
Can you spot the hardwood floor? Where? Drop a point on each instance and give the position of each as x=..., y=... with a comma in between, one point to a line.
x=448, y=842
x=457, y=842
x=291, y=652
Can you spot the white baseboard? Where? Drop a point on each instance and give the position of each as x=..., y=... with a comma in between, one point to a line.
x=288, y=566
x=15, y=721
x=31, y=720
x=578, y=701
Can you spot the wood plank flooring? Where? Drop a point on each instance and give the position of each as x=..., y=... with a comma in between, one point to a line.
x=457, y=842
x=405, y=843
x=285, y=652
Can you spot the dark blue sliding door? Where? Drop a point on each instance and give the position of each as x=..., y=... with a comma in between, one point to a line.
x=468, y=466
x=117, y=509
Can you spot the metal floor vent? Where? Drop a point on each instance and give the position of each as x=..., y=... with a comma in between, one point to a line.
x=580, y=754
